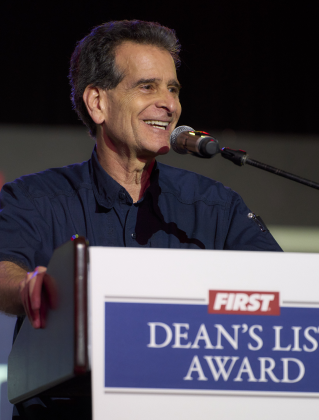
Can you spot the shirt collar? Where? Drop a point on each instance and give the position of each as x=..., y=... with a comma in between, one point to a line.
x=106, y=189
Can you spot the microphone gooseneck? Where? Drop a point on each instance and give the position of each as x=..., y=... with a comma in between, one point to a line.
x=185, y=140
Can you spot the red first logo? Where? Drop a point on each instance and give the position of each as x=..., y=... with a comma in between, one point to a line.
x=243, y=302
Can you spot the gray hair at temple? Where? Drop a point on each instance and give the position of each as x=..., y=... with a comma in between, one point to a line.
x=93, y=60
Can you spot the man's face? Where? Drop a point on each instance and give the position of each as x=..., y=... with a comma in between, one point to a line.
x=142, y=111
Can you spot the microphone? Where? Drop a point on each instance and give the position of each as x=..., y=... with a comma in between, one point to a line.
x=185, y=140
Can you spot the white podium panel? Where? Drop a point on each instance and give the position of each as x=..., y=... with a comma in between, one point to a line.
x=203, y=334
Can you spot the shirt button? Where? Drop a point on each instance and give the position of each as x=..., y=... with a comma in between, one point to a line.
x=122, y=195
x=133, y=235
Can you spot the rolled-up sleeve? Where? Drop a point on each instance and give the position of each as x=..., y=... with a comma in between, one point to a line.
x=24, y=234
x=245, y=231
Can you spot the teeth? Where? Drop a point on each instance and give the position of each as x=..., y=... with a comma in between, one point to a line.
x=159, y=124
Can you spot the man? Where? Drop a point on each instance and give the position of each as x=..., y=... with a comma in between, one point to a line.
x=125, y=89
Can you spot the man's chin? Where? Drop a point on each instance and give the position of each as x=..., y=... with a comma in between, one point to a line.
x=163, y=150
x=148, y=155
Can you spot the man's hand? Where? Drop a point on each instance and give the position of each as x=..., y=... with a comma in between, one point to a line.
x=38, y=293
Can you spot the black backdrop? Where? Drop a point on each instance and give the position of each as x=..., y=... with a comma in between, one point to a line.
x=246, y=65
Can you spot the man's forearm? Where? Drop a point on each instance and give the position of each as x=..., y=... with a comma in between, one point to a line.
x=10, y=277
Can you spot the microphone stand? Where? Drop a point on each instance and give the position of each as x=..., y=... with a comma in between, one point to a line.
x=240, y=158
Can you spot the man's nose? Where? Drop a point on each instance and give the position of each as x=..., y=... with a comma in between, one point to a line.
x=168, y=100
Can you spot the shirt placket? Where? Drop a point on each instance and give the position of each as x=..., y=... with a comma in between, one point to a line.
x=129, y=228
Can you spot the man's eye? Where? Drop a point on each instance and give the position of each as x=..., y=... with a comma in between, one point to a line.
x=148, y=87
x=174, y=89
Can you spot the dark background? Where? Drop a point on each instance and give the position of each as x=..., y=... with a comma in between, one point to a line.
x=246, y=65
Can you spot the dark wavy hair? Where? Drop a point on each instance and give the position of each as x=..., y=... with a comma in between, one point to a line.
x=93, y=60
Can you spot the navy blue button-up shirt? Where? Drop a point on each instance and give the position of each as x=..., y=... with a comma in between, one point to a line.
x=180, y=209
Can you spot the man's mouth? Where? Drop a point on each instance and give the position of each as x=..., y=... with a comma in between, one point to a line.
x=162, y=125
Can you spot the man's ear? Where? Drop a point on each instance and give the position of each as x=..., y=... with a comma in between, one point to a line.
x=94, y=101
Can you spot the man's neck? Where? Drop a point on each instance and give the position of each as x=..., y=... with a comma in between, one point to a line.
x=132, y=174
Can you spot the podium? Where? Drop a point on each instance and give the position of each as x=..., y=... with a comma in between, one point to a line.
x=54, y=361
x=183, y=334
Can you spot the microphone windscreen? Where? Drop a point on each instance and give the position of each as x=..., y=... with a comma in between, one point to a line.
x=175, y=134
